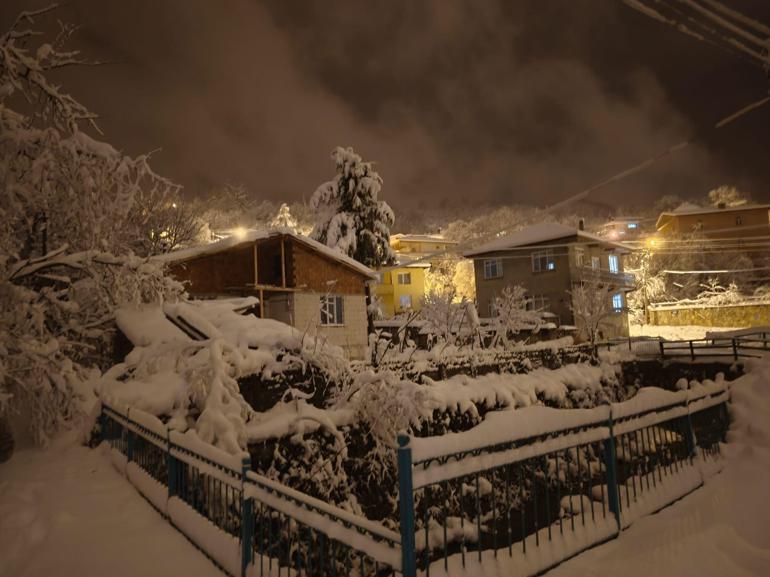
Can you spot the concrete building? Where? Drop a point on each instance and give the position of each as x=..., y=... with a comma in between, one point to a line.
x=298, y=281
x=548, y=260
x=402, y=288
x=727, y=222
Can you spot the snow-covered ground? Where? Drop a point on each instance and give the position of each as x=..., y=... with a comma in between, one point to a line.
x=683, y=333
x=723, y=528
x=66, y=512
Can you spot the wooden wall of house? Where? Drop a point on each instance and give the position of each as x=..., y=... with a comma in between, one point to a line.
x=215, y=273
x=312, y=270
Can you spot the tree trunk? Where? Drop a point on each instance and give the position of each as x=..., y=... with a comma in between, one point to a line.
x=6, y=440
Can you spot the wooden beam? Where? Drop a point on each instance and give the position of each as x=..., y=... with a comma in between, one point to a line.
x=256, y=265
x=261, y=304
x=283, y=264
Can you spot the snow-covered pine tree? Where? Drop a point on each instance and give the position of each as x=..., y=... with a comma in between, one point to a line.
x=284, y=219
x=351, y=217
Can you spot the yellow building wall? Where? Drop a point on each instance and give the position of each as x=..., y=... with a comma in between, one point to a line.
x=390, y=291
x=685, y=223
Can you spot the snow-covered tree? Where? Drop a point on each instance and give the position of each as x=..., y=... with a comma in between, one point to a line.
x=284, y=218
x=513, y=313
x=68, y=205
x=592, y=307
x=447, y=318
x=728, y=196
x=351, y=217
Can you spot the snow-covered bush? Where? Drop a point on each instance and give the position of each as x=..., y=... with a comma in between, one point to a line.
x=351, y=218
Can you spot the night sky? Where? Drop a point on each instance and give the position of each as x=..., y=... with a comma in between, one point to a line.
x=461, y=103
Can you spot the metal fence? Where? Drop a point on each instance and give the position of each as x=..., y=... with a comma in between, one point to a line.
x=245, y=523
x=553, y=483
x=541, y=486
x=745, y=345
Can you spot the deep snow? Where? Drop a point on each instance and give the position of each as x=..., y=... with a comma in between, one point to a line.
x=723, y=528
x=66, y=512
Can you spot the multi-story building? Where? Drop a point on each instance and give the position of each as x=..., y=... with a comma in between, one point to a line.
x=549, y=260
x=402, y=288
x=626, y=227
x=745, y=221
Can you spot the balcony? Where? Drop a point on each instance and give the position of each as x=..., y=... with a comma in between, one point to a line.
x=622, y=280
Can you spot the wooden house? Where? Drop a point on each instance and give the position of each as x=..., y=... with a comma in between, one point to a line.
x=298, y=281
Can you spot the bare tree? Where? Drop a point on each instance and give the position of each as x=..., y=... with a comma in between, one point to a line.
x=513, y=313
x=592, y=306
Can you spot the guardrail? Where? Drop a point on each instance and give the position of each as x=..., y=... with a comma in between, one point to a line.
x=245, y=523
x=527, y=489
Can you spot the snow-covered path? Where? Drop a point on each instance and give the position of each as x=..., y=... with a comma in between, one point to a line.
x=66, y=512
x=720, y=530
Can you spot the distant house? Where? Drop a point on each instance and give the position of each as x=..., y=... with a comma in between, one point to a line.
x=625, y=227
x=298, y=281
x=402, y=288
x=548, y=260
x=717, y=222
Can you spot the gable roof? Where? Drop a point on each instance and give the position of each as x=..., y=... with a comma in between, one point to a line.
x=689, y=209
x=256, y=235
x=538, y=233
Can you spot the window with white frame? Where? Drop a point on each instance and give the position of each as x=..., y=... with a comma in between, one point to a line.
x=538, y=302
x=595, y=262
x=405, y=301
x=614, y=263
x=332, y=310
x=404, y=278
x=617, y=302
x=543, y=260
x=493, y=268
x=580, y=255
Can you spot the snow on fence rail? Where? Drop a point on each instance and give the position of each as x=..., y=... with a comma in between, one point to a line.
x=517, y=494
x=530, y=488
x=245, y=523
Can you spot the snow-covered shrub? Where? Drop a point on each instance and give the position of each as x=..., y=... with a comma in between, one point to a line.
x=351, y=218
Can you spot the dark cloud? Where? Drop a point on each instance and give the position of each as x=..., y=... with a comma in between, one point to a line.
x=458, y=101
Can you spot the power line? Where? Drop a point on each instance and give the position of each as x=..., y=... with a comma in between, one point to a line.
x=721, y=123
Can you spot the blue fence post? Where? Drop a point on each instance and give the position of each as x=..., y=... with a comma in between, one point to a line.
x=406, y=508
x=610, y=461
x=247, y=519
x=171, y=467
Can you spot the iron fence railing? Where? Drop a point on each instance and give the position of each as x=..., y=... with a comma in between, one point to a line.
x=529, y=487
x=553, y=482
x=245, y=523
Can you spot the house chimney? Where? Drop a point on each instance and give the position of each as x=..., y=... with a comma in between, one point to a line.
x=581, y=224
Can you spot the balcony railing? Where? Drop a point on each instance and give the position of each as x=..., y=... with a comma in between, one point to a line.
x=604, y=276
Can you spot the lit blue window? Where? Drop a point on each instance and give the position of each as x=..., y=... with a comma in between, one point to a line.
x=614, y=264
x=632, y=225
x=617, y=302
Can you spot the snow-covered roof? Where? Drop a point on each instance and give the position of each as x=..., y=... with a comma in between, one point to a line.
x=437, y=238
x=257, y=235
x=538, y=233
x=688, y=208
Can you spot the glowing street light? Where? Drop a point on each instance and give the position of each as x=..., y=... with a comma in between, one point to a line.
x=239, y=232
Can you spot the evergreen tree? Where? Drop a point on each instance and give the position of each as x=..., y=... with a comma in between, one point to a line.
x=351, y=218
